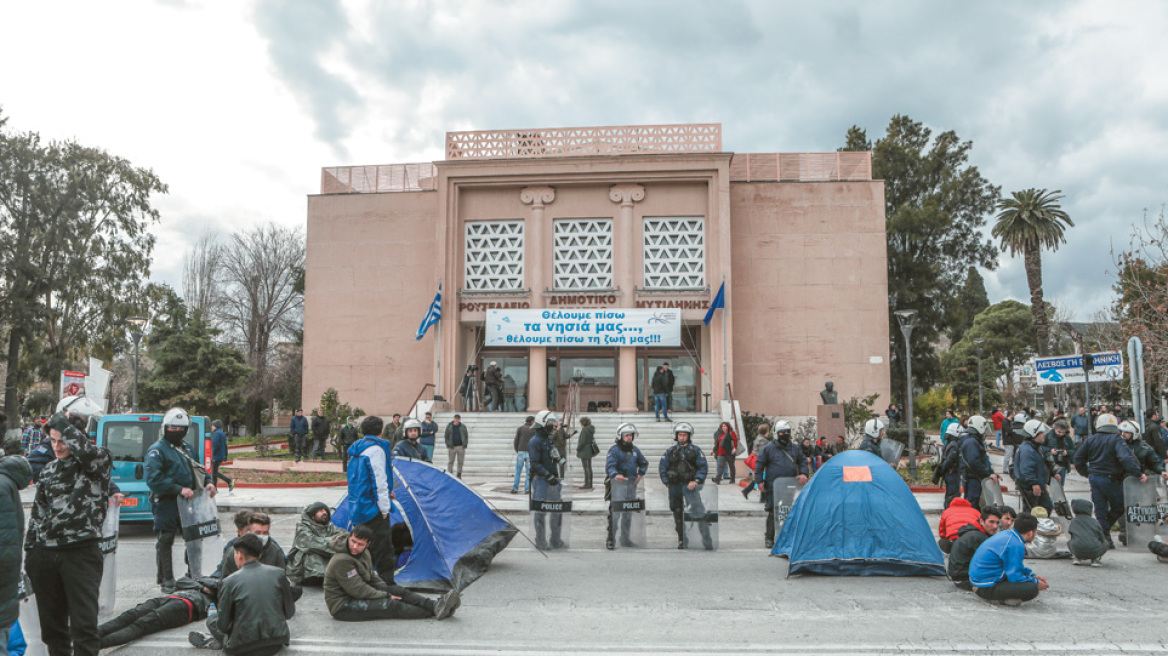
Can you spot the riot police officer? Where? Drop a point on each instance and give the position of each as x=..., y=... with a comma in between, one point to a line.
x=409, y=447
x=873, y=433
x=1105, y=459
x=624, y=462
x=683, y=468
x=1031, y=474
x=546, y=484
x=171, y=471
x=779, y=459
x=975, y=462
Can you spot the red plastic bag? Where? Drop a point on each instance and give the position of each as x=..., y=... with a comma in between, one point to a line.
x=751, y=460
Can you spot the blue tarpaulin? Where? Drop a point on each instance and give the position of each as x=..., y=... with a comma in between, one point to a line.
x=456, y=534
x=857, y=517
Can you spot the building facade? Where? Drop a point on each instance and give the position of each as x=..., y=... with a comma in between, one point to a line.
x=518, y=223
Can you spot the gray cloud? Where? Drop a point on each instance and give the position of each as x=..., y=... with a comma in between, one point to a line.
x=1053, y=94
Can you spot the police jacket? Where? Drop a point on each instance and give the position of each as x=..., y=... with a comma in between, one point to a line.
x=408, y=449
x=975, y=462
x=629, y=463
x=950, y=461
x=218, y=446
x=539, y=451
x=168, y=471
x=72, y=493
x=1106, y=454
x=780, y=461
x=1150, y=463
x=255, y=605
x=370, y=479
x=1030, y=466
x=871, y=446
x=40, y=455
x=692, y=457
x=299, y=425
x=15, y=473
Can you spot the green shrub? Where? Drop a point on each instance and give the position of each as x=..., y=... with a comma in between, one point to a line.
x=930, y=407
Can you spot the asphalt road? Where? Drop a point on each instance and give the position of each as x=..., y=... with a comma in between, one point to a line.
x=736, y=600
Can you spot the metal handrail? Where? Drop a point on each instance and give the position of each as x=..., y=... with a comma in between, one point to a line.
x=417, y=398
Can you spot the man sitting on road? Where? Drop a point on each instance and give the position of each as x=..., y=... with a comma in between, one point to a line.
x=311, y=548
x=959, y=514
x=255, y=605
x=259, y=525
x=354, y=593
x=969, y=538
x=241, y=519
x=996, y=571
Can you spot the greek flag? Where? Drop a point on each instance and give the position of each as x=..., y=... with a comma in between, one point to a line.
x=432, y=315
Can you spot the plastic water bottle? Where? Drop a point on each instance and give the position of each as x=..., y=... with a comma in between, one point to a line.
x=212, y=612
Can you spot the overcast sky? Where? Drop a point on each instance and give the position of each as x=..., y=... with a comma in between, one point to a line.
x=237, y=105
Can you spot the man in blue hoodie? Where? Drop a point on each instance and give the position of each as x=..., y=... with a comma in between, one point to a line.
x=997, y=573
x=371, y=491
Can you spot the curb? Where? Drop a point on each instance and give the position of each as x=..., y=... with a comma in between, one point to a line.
x=274, y=486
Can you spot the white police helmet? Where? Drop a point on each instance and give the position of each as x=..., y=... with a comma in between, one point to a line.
x=626, y=429
x=175, y=424
x=683, y=427
x=546, y=418
x=782, y=425
x=80, y=406
x=1130, y=426
x=411, y=423
x=1106, y=423
x=954, y=430
x=978, y=424
x=874, y=428
x=1035, y=427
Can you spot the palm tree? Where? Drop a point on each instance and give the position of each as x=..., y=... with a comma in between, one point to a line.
x=1027, y=223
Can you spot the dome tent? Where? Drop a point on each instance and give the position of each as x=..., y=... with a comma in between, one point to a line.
x=456, y=534
x=857, y=517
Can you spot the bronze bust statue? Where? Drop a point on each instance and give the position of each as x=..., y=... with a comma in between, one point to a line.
x=829, y=396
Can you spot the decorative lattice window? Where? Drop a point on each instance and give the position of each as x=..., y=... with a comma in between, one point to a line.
x=583, y=254
x=675, y=253
x=494, y=256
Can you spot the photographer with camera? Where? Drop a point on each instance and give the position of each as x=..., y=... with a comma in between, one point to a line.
x=546, y=461
x=493, y=378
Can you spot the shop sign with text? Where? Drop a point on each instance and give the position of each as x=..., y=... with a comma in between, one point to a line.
x=584, y=327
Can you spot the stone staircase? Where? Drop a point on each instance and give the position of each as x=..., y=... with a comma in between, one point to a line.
x=492, y=434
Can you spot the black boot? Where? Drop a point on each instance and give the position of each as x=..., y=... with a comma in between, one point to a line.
x=164, y=561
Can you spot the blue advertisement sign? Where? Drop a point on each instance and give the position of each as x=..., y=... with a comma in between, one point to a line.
x=1068, y=369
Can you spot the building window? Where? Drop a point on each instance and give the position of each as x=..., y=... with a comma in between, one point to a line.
x=494, y=256
x=583, y=253
x=675, y=253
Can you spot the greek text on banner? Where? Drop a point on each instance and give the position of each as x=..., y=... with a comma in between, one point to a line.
x=585, y=327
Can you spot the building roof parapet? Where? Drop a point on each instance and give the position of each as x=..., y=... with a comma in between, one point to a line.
x=801, y=167
x=563, y=142
x=377, y=179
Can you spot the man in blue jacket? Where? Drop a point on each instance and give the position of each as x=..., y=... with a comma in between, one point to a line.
x=624, y=462
x=546, y=485
x=779, y=459
x=1105, y=460
x=975, y=462
x=429, y=431
x=371, y=491
x=170, y=473
x=996, y=571
x=299, y=430
x=1030, y=472
x=219, y=454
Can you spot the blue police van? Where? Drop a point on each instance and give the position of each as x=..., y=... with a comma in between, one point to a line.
x=128, y=437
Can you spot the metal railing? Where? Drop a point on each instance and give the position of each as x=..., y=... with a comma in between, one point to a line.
x=561, y=142
x=801, y=167
x=383, y=178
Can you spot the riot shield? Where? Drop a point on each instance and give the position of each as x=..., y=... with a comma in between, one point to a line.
x=199, y=517
x=1145, y=506
x=782, y=497
x=991, y=493
x=107, y=593
x=700, y=515
x=891, y=451
x=1062, y=507
x=626, y=527
x=551, y=513
x=30, y=619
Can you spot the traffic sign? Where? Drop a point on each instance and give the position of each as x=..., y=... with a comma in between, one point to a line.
x=1068, y=369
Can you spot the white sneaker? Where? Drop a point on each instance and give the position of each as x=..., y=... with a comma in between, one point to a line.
x=1081, y=561
x=1096, y=563
x=1011, y=602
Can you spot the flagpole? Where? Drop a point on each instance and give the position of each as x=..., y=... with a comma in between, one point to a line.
x=438, y=385
x=725, y=379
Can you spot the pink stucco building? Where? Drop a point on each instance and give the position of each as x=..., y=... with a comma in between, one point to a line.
x=645, y=217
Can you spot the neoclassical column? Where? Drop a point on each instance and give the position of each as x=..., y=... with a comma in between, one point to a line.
x=626, y=277
x=533, y=258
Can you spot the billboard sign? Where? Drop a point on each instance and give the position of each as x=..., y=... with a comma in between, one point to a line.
x=603, y=327
x=1068, y=369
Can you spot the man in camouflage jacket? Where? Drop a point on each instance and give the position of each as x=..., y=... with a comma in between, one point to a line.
x=64, y=562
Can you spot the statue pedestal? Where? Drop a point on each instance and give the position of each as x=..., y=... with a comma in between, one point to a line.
x=829, y=422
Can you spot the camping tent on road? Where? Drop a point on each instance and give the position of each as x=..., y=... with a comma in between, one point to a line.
x=857, y=517
x=456, y=534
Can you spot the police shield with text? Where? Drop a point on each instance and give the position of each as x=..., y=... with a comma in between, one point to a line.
x=779, y=469
x=683, y=470
x=1143, y=518
x=624, y=488
x=551, y=497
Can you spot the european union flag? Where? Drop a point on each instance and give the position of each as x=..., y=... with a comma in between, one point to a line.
x=432, y=315
x=719, y=302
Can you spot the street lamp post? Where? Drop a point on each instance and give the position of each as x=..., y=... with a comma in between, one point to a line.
x=136, y=324
x=908, y=320
x=980, y=407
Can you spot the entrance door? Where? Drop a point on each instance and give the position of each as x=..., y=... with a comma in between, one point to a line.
x=686, y=380
x=514, y=380
x=595, y=371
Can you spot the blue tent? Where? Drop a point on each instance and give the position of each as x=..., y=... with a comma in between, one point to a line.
x=857, y=517
x=456, y=534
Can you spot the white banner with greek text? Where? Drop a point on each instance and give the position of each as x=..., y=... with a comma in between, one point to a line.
x=588, y=327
